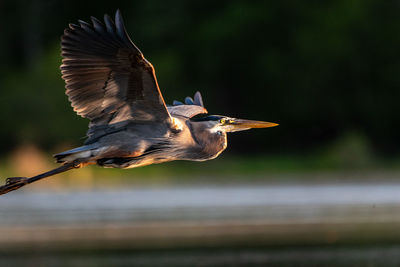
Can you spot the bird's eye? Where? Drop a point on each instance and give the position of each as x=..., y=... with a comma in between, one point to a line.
x=222, y=121
x=219, y=132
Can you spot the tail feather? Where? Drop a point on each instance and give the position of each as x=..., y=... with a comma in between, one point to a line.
x=75, y=153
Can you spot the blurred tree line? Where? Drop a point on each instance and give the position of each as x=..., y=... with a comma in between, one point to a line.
x=322, y=69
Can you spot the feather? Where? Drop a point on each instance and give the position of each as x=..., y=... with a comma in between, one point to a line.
x=177, y=103
x=198, y=100
x=107, y=78
x=189, y=101
x=187, y=111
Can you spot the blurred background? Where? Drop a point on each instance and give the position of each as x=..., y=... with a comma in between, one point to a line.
x=326, y=71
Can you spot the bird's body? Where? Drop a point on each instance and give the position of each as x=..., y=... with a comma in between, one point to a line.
x=109, y=82
x=142, y=144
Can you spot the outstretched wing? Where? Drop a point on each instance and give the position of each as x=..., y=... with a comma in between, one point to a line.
x=191, y=107
x=107, y=78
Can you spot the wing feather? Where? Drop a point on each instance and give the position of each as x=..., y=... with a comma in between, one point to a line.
x=107, y=78
x=189, y=101
x=198, y=100
x=190, y=108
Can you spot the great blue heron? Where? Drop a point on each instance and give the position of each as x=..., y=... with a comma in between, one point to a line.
x=109, y=82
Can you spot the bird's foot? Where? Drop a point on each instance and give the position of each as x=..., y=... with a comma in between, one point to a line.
x=16, y=180
x=13, y=183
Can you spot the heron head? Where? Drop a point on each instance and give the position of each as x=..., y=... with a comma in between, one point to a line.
x=218, y=123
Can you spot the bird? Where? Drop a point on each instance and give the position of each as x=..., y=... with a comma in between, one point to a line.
x=110, y=83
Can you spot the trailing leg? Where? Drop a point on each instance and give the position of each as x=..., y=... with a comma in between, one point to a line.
x=14, y=183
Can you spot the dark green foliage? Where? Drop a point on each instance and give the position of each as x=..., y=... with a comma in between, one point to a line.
x=321, y=69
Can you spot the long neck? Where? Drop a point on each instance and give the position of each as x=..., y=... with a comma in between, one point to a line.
x=208, y=145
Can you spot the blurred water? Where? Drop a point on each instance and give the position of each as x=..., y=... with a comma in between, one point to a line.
x=298, y=224
x=242, y=202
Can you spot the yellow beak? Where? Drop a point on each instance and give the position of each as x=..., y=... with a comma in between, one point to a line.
x=240, y=124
